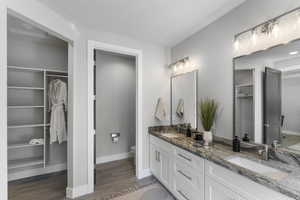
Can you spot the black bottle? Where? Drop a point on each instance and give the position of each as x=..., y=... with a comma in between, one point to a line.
x=189, y=131
x=236, y=144
x=246, y=138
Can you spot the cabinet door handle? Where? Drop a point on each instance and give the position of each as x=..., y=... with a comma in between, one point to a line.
x=183, y=195
x=183, y=174
x=184, y=157
x=156, y=156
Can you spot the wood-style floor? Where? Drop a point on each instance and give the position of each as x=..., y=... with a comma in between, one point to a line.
x=112, y=179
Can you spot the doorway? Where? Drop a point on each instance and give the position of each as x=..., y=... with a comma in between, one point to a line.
x=114, y=136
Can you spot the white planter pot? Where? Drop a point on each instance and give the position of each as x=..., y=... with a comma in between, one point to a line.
x=207, y=137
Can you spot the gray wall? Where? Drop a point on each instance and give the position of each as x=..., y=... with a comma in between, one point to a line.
x=115, y=109
x=26, y=51
x=291, y=104
x=212, y=50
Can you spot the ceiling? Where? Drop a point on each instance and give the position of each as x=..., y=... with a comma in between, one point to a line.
x=165, y=22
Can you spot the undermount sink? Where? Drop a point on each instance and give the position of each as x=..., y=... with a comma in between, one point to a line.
x=257, y=167
x=170, y=135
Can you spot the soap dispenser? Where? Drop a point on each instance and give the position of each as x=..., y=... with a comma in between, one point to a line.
x=236, y=144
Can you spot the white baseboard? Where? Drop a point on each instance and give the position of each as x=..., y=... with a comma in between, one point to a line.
x=78, y=191
x=36, y=172
x=290, y=132
x=144, y=173
x=105, y=159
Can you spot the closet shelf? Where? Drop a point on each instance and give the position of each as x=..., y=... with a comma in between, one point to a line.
x=244, y=96
x=25, y=107
x=25, y=88
x=27, y=162
x=244, y=85
x=23, y=145
x=26, y=126
x=37, y=69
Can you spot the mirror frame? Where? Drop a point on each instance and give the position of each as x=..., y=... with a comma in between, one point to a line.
x=196, y=71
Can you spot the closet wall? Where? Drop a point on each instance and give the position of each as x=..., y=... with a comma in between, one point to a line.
x=34, y=57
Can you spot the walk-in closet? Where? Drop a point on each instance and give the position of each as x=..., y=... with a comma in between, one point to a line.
x=37, y=91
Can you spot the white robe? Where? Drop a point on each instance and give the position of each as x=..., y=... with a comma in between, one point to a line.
x=57, y=101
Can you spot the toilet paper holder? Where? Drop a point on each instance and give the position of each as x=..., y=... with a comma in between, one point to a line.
x=115, y=137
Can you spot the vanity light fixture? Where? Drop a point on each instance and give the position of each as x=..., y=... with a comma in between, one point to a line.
x=277, y=31
x=182, y=66
x=294, y=53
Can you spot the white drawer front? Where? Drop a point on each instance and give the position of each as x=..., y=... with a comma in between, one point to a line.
x=185, y=190
x=193, y=176
x=188, y=158
x=161, y=143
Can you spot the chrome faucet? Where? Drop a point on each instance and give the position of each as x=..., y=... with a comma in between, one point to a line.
x=264, y=153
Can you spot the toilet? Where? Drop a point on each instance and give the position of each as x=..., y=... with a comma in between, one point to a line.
x=132, y=153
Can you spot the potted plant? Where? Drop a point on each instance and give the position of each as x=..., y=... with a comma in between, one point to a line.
x=208, y=109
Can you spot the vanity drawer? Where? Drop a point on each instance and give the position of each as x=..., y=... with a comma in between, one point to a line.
x=193, y=176
x=161, y=143
x=185, y=190
x=189, y=159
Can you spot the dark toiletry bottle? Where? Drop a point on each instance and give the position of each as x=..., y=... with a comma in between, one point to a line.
x=236, y=144
x=246, y=138
x=189, y=131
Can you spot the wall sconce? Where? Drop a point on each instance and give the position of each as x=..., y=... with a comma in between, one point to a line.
x=182, y=66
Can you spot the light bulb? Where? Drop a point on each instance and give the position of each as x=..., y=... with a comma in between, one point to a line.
x=187, y=64
x=237, y=44
x=254, y=37
x=275, y=31
x=175, y=68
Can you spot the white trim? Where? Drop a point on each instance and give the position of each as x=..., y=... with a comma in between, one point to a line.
x=3, y=101
x=77, y=191
x=110, y=158
x=37, y=172
x=145, y=173
x=92, y=45
x=287, y=132
x=46, y=19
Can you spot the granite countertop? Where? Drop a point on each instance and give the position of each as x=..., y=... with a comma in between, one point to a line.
x=289, y=184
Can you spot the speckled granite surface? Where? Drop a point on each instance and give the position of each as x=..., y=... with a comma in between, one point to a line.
x=289, y=164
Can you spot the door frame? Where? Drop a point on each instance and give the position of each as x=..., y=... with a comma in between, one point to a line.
x=94, y=45
x=65, y=31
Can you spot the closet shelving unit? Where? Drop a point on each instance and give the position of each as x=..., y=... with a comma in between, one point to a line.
x=244, y=93
x=28, y=113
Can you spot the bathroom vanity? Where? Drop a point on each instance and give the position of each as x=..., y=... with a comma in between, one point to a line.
x=192, y=172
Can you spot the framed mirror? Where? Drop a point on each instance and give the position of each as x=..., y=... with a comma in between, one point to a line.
x=184, y=98
x=267, y=96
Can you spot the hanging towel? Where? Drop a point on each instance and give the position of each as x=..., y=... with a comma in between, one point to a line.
x=57, y=103
x=180, y=108
x=160, y=111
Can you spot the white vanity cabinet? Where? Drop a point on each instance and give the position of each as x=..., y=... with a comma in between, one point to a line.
x=190, y=177
x=161, y=160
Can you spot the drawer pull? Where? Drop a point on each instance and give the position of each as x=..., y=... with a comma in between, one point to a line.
x=184, y=157
x=184, y=196
x=183, y=174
